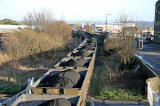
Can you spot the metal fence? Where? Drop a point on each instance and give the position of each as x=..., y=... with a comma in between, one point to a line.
x=153, y=98
x=14, y=98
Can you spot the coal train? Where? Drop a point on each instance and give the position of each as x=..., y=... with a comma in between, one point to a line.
x=67, y=83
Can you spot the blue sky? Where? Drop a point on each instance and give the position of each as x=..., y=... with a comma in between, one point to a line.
x=72, y=10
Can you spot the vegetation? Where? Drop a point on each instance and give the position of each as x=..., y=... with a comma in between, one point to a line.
x=89, y=28
x=27, y=43
x=119, y=95
x=108, y=76
x=115, y=75
x=30, y=53
x=122, y=47
x=9, y=22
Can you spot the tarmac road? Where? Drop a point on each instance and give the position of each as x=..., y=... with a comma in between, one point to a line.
x=115, y=105
x=108, y=104
x=96, y=102
x=150, y=54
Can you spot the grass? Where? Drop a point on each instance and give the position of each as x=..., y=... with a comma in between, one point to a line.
x=10, y=90
x=9, y=22
x=27, y=42
x=98, y=81
x=119, y=95
x=14, y=74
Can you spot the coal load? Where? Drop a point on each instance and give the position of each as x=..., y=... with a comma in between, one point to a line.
x=90, y=46
x=65, y=79
x=57, y=102
x=76, y=62
x=82, y=53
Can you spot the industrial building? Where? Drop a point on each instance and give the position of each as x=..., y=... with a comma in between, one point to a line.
x=157, y=21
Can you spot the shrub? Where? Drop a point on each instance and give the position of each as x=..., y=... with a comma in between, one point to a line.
x=28, y=42
x=112, y=44
x=122, y=47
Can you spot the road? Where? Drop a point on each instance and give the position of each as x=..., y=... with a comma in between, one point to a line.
x=150, y=54
x=105, y=104
x=96, y=102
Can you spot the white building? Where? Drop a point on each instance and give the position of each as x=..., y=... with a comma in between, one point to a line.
x=11, y=28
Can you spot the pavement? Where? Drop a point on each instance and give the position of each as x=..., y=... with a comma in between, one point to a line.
x=96, y=104
x=150, y=54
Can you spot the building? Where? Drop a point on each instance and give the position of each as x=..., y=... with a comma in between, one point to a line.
x=108, y=28
x=11, y=28
x=157, y=21
x=99, y=28
x=114, y=28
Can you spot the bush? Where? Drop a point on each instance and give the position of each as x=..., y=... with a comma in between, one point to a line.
x=27, y=42
x=127, y=50
x=122, y=47
x=112, y=44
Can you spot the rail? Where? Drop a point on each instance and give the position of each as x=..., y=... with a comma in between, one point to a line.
x=14, y=98
x=153, y=98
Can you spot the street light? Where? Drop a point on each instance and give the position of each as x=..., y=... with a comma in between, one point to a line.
x=106, y=20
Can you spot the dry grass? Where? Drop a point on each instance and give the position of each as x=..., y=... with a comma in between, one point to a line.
x=27, y=42
x=4, y=58
x=30, y=54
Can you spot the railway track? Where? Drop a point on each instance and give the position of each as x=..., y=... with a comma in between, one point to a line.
x=67, y=83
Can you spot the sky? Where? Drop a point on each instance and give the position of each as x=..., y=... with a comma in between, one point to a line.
x=80, y=10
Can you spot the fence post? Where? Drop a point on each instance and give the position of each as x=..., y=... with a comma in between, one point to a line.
x=140, y=43
x=30, y=83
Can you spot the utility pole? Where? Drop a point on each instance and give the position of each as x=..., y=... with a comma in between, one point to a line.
x=107, y=20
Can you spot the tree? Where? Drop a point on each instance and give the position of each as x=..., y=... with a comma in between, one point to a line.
x=43, y=21
x=123, y=45
x=126, y=39
x=39, y=20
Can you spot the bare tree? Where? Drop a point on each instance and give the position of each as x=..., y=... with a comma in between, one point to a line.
x=43, y=21
x=126, y=39
x=39, y=20
x=123, y=45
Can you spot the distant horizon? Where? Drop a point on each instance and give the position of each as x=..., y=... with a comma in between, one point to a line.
x=83, y=21
x=138, y=23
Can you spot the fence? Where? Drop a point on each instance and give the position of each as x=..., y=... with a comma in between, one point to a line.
x=14, y=98
x=153, y=98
